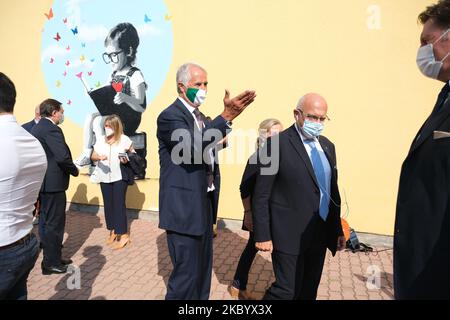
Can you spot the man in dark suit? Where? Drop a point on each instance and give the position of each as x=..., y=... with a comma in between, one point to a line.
x=422, y=224
x=37, y=116
x=56, y=181
x=190, y=180
x=296, y=203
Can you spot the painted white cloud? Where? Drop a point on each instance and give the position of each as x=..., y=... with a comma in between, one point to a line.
x=53, y=51
x=92, y=33
x=147, y=30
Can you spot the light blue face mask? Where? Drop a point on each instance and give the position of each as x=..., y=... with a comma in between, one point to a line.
x=312, y=129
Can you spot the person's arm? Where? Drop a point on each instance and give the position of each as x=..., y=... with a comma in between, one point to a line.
x=261, y=210
x=96, y=157
x=246, y=187
x=57, y=145
x=248, y=219
x=135, y=101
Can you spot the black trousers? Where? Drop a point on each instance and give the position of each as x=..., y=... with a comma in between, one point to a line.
x=191, y=258
x=114, y=195
x=298, y=276
x=245, y=263
x=51, y=226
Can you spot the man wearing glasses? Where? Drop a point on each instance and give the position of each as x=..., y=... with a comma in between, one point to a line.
x=297, y=209
x=422, y=224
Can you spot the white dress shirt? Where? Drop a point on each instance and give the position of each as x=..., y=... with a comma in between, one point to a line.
x=22, y=169
x=191, y=110
x=108, y=171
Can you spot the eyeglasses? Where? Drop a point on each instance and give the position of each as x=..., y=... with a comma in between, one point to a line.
x=113, y=56
x=314, y=117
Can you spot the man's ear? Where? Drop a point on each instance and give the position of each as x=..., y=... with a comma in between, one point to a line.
x=182, y=87
x=130, y=52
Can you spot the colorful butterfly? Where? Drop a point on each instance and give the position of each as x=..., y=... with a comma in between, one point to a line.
x=83, y=45
x=65, y=73
x=65, y=20
x=90, y=73
x=82, y=58
x=58, y=37
x=93, y=59
x=147, y=19
x=167, y=17
x=79, y=75
x=58, y=84
x=69, y=102
x=52, y=60
x=50, y=14
x=67, y=63
x=74, y=31
x=97, y=84
x=68, y=48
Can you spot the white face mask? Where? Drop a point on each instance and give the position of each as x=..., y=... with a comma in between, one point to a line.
x=196, y=96
x=426, y=60
x=109, y=132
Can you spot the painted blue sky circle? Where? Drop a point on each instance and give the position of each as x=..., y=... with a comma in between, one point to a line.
x=73, y=43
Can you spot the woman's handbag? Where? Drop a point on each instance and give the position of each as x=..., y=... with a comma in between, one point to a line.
x=133, y=168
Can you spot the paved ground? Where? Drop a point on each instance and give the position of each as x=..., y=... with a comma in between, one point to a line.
x=141, y=270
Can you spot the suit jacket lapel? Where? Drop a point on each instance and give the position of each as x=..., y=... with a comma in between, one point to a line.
x=433, y=122
x=297, y=143
x=188, y=116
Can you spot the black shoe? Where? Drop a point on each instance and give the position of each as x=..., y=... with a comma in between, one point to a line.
x=54, y=269
x=66, y=262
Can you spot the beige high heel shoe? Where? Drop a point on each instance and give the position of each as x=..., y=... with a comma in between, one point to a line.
x=112, y=237
x=121, y=241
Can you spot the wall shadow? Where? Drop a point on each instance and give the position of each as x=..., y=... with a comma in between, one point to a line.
x=80, y=232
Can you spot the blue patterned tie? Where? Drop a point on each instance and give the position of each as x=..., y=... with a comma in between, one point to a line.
x=321, y=179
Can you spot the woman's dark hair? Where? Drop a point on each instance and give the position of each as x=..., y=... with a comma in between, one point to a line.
x=47, y=107
x=7, y=94
x=439, y=13
x=127, y=37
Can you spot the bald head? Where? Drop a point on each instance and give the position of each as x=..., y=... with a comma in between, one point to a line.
x=37, y=113
x=310, y=104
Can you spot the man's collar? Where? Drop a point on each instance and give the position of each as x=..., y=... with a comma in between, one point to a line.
x=7, y=117
x=51, y=120
x=187, y=105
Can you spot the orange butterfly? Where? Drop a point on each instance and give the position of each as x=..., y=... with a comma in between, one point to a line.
x=50, y=14
x=58, y=37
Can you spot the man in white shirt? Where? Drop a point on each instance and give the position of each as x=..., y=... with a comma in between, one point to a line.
x=22, y=171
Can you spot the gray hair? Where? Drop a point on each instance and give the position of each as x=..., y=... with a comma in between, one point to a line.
x=301, y=103
x=184, y=73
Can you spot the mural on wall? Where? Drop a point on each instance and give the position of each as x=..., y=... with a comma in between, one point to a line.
x=102, y=57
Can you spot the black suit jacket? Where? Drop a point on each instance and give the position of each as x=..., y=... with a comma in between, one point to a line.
x=29, y=125
x=422, y=223
x=60, y=165
x=183, y=197
x=286, y=203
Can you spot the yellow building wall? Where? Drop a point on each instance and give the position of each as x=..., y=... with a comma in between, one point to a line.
x=359, y=54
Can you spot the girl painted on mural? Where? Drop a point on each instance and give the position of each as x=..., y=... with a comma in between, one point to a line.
x=126, y=89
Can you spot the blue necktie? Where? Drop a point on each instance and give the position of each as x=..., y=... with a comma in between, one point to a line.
x=321, y=179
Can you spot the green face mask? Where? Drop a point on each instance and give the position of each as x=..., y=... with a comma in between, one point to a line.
x=196, y=96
